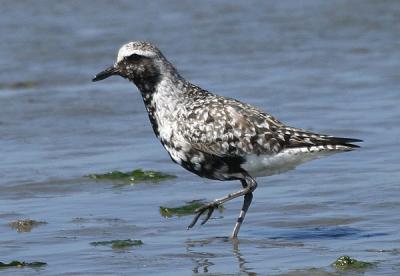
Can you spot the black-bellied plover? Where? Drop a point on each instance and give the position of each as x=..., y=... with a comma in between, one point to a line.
x=212, y=136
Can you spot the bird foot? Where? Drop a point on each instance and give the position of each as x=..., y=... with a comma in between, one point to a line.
x=199, y=211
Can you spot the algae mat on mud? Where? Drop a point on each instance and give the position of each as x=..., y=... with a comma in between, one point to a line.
x=25, y=225
x=347, y=263
x=188, y=209
x=20, y=264
x=118, y=244
x=134, y=176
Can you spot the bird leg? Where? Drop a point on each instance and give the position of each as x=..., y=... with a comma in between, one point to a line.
x=249, y=185
x=246, y=204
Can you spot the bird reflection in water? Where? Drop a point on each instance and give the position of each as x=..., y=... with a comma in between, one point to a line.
x=203, y=261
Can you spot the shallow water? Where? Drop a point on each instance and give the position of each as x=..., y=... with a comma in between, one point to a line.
x=328, y=66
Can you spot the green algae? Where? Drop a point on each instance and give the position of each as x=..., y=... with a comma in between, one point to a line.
x=118, y=244
x=19, y=264
x=134, y=176
x=25, y=225
x=184, y=210
x=343, y=265
x=347, y=263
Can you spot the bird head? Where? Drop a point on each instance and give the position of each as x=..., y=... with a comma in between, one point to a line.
x=137, y=61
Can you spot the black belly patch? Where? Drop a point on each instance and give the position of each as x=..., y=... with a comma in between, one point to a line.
x=215, y=167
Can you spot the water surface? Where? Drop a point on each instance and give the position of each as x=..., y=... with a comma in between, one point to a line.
x=328, y=66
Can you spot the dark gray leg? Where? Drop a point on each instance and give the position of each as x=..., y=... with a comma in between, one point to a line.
x=246, y=204
x=249, y=185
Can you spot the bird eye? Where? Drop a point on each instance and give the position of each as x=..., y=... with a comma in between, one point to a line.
x=133, y=57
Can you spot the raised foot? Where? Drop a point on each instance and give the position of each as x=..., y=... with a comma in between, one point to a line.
x=199, y=211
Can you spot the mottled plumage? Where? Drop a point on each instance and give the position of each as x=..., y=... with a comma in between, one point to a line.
x=213, y=136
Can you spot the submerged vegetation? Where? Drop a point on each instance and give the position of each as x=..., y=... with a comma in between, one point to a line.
x=134, y=176
x=25, y=225
x=347, y=263
x=19, y=264
x=118, y=244
x=184, y=210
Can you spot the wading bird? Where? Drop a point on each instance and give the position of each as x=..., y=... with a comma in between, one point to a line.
x=212, y=136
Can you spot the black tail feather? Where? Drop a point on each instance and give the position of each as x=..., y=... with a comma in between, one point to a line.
x=295, y=137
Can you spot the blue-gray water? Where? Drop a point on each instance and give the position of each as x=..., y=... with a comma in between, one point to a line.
x=328, y=66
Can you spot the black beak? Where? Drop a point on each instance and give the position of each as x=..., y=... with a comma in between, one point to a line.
x=112, y=70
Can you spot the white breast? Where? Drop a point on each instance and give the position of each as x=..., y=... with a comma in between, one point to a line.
x=168, y=107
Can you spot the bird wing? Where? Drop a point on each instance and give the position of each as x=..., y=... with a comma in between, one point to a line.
x=227, y=127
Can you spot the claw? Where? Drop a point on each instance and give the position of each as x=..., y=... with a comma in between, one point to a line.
x=199, y=211
x=195, y=219
x=210, y=211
